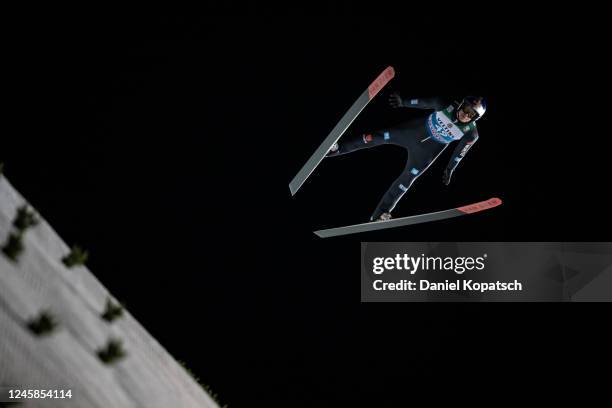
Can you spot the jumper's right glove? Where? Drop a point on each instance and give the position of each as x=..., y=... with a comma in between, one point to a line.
x=395, y=100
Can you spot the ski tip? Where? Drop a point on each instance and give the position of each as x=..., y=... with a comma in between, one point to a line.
x=380, y=82
x=494, y=202
x=318, y=234
x=481, y=206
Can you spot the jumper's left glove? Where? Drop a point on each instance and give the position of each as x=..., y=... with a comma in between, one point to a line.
x=446, y=178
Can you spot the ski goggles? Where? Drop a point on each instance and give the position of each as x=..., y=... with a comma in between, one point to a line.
x=469, y=111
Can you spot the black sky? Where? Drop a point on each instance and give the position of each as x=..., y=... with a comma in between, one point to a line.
x=165, y=146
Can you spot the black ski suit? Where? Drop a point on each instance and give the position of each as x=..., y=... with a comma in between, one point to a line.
x=423, y=150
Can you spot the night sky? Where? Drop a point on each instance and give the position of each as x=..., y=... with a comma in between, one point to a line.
x=165, y=146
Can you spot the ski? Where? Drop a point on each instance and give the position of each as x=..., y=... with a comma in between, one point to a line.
x=415, y=219
x=348, y=118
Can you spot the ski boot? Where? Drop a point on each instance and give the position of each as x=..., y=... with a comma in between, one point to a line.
x=383, y=217
x=333, y=150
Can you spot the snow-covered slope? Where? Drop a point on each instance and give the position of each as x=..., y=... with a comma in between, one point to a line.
x=66, y=359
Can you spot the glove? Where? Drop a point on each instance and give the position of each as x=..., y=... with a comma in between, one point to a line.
x=395, y=100
x=446, y=178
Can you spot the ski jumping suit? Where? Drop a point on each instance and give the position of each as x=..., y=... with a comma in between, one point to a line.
x=424, y=140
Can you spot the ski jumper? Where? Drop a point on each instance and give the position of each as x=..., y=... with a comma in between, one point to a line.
x=424, y=139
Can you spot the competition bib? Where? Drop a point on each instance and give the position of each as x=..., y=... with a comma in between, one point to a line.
x=441, y=128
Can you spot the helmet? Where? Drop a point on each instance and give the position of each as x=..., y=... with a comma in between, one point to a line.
x=475, y=106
